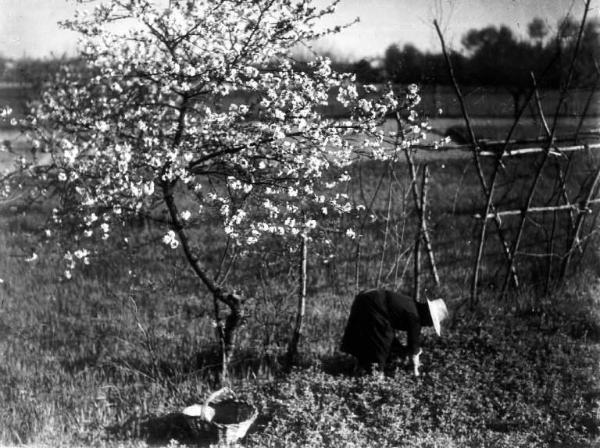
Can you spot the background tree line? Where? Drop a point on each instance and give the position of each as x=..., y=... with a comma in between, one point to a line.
x=492, y=56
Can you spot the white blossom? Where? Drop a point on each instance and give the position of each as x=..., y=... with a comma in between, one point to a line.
x=259, y=168
x=311, y=224
x=33, y=257
x=102, y=126
x=5, y=112
x=170, y=239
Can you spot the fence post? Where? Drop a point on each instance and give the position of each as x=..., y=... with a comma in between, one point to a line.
x=487, y=191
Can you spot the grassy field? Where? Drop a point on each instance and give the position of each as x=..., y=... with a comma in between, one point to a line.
x=110, y=357
x=437, y=101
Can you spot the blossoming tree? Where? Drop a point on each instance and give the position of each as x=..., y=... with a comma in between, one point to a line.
x=196, y=105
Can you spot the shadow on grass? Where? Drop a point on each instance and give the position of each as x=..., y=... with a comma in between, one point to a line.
x=339, y=364
x=160, y=430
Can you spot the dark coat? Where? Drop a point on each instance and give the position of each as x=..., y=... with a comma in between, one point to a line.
x=374, y=316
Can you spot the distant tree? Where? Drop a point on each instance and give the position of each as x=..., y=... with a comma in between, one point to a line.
x=3, y=63
x=365, y=72
x=392, y=62
x=36, y=72
x=406, y=65
x=537, y=30
x=567, y=28
x=434, y=69
x=588, y=61
x=561, y=47
x=498, y=59
x=412, y=63
x=495, y=57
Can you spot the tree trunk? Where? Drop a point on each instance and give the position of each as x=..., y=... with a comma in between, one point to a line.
x=357, y=265
x=292, y=352
x=226, y=333
x=387, y=230
x=233, y=323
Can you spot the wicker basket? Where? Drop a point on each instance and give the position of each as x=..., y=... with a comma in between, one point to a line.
x=222, y=414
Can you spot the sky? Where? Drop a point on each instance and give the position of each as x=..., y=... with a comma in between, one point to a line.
x=29, y=27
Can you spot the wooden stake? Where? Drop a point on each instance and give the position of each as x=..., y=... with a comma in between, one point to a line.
x=533, y=187
x=487, y=191
x=424, y=233
x=579, y=224
x=545, y=209
x=361, y=230
x=420, y=236
x=561, y=178
x=560, y=150
x=387, y=229
x=425, y=228
x=417, y=267
x=292, y=352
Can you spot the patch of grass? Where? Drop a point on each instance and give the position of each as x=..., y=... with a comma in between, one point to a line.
x=495, y=379
x=83, y=365
x=110, y=357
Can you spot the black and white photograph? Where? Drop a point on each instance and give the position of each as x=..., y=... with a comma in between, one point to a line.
x=300, y=223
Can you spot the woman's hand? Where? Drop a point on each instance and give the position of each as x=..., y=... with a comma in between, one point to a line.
x=416, y=362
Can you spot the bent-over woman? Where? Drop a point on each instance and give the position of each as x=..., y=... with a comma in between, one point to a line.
x=376, y=314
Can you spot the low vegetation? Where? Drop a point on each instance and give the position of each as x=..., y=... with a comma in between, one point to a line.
x=111, y=356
